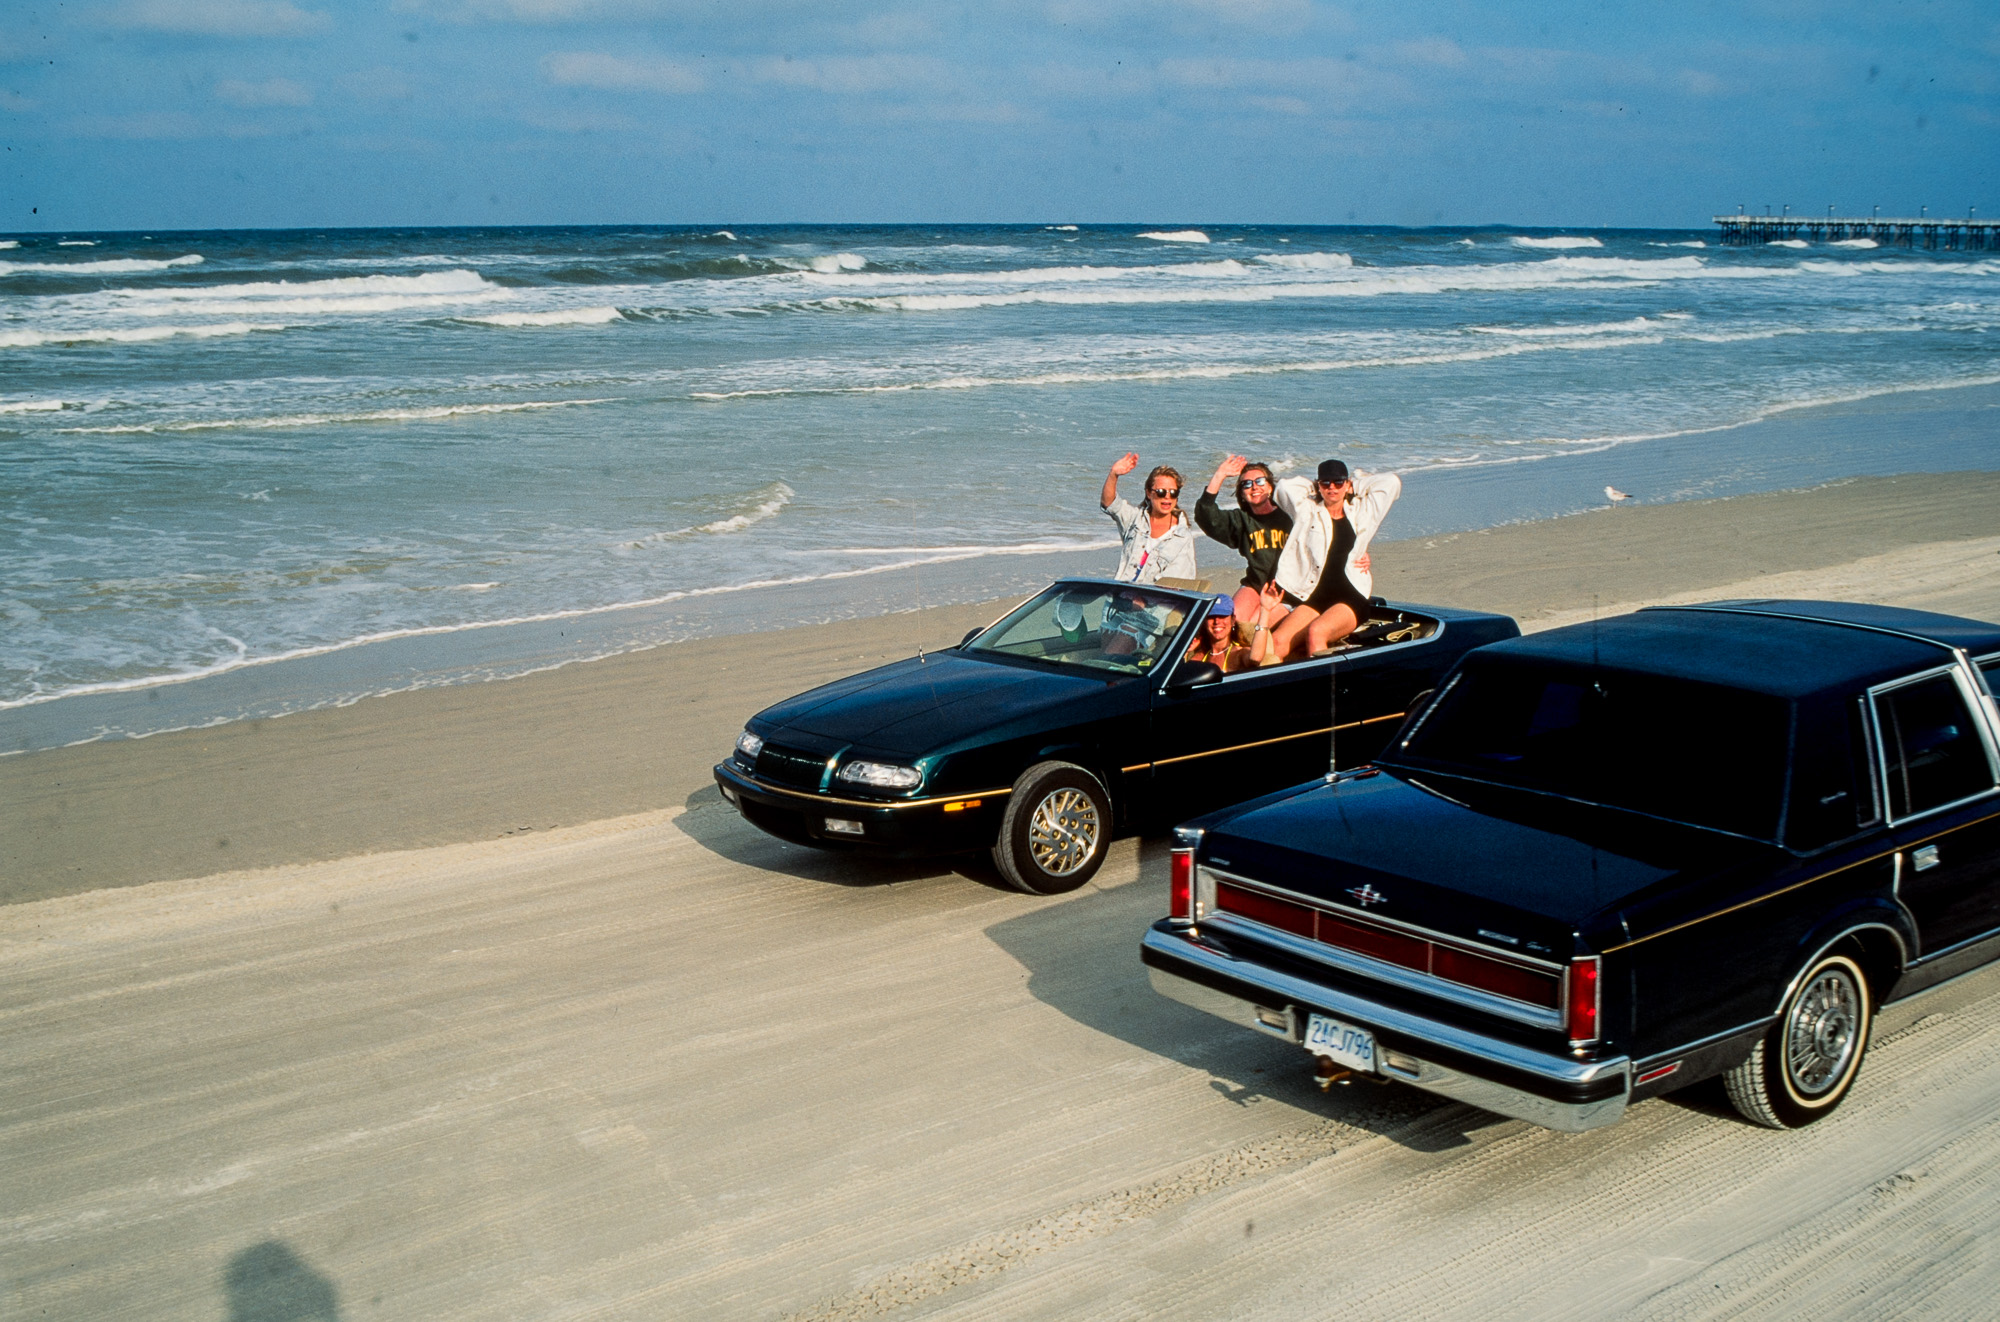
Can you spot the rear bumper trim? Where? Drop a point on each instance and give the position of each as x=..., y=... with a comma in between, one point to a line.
x=1556, y=1092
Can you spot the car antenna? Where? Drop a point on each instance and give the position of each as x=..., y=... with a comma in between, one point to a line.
x=1332, y=717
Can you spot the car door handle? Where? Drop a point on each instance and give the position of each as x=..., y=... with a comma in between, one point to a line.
x=1924, y=859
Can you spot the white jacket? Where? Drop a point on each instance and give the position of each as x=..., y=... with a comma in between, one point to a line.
x=1146, y=557
x=1312, y=529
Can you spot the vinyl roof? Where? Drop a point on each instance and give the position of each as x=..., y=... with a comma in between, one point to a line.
x=1787, y=649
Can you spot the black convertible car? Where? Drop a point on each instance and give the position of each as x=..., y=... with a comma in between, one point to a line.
x=1611, y=860
x=1073, y=719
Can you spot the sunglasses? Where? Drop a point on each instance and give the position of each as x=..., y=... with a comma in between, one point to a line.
x=1337, y=482
x=1256, y=482
x=1168, y=492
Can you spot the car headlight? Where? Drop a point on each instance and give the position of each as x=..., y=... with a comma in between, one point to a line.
x=748, y=746
x=881, y=775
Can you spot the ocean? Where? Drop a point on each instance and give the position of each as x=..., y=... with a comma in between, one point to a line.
x=244, y=473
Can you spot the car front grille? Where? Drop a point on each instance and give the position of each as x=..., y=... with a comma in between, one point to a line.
x=790, y=766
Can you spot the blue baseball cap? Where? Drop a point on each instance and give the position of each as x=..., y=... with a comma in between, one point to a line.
x=1223, y=606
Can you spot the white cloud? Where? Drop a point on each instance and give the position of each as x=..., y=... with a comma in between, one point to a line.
x=1437, y=51
x=617, y=73
x=220, y=18
x=849, y=74
x=272, y=92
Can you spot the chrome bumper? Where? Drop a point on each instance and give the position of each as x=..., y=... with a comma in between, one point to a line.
x=1494, y=1075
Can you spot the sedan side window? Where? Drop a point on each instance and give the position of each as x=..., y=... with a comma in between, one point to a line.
x=1833, y=794
x=1931, y=746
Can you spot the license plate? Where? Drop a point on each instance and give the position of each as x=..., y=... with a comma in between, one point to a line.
x=1344, y=1043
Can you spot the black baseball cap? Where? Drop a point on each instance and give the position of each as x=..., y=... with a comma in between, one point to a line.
x=1332, y=470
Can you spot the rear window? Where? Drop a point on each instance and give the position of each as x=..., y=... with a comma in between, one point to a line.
x=1690, y=752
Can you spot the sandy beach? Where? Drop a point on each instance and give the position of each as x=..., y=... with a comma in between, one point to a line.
x=479, y=1003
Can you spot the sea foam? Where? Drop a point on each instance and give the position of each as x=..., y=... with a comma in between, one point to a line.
x=27, y=339
x=752, y=508
x=109, y=266
x=1557, y=241
x=840, y=261
x=1176, y=236
x=321, y=419
x=1308, y=261
x=561, y=317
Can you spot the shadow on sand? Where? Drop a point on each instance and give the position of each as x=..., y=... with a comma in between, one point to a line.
x=1082, y=957
x=269, y=1283
x=717, y=827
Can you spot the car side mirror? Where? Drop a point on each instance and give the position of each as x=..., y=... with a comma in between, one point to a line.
x=971, y=634
x=1194, y=675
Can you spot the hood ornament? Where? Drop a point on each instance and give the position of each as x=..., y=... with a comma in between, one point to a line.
x=1367, y=895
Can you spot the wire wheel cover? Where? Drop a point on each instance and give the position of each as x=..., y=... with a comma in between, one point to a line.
x=1063, y=833
x=1821, y=1036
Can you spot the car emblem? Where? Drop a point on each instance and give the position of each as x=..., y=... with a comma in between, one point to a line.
x=1367, y=895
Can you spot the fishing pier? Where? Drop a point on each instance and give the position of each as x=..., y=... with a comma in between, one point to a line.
x=1897, y=232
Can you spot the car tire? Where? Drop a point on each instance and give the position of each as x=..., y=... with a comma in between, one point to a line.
x=1055, y=831
x=1800, y=1070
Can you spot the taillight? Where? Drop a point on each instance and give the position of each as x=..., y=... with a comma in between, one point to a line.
x=1583, y=1000
x=1180, y=887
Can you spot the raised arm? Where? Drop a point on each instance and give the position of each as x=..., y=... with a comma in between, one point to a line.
x=1374, y=493
x=1125, y=464
x=1229, y=468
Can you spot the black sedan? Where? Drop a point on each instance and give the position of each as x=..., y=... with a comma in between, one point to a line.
x=1073, y=719
x=1612, y=860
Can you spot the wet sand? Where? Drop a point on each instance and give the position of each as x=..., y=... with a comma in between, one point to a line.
x=638, y=732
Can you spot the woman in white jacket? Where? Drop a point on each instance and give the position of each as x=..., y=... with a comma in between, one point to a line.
x=1333, y=520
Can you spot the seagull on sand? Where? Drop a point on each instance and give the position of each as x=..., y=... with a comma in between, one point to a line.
x=1614, y=495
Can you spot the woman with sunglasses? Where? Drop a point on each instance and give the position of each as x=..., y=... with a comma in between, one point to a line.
x=1159, y=542
x=1256, y=529
x=1323, y=569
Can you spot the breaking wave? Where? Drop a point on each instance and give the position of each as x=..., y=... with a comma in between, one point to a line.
x=1308, y=261
x=26, y=339
x=109, y=266
x=1175, y=236
x=1556, y=241
x=319, y=419
x=560, y=317
x=755, y=507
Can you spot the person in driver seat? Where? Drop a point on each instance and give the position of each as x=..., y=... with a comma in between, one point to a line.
x=1135, y=627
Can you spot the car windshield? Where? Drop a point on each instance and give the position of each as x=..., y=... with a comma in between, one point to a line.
x=1100, y=626
x=1689, y=752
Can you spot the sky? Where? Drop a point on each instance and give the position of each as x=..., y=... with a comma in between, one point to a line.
x=205, y=114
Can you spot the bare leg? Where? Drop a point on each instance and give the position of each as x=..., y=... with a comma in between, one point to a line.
x=1330, y=628
x=1288, y=639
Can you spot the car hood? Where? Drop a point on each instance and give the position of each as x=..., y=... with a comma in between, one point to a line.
x=915, y=706
x=1458, y=857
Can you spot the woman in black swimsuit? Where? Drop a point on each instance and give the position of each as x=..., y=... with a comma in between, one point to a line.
x=1334, y=605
